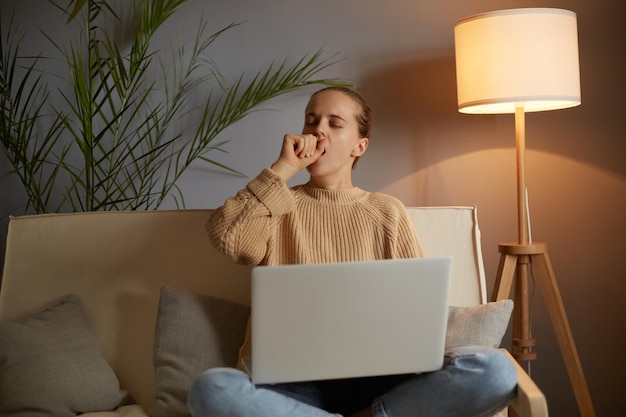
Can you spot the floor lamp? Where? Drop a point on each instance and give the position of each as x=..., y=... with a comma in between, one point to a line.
x=518, y=61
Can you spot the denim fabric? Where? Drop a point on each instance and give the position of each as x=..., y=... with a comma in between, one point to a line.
x=474, y=381
x=341, y=396
x=228, y=392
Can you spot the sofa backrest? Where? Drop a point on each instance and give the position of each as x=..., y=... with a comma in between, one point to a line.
x=454, y=231
x=117, y=263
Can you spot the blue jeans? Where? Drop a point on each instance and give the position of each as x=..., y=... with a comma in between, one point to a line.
x=475, y=381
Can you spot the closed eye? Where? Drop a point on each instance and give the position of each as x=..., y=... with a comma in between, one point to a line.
x=337, y=121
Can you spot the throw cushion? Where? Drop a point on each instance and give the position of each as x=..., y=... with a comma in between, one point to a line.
x=478, y=325
x=193, y=333
x=51, y=365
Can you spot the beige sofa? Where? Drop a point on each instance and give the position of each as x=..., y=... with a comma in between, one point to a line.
x=118, y=264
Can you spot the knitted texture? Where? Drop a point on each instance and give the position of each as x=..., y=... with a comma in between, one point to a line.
x=268, y=223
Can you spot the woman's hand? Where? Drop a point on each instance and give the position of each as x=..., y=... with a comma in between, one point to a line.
x=297, y=153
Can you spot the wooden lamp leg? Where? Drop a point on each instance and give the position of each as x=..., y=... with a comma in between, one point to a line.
x=517, y=258
x=556, y=309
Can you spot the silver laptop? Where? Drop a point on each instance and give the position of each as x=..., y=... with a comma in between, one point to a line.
x=344, y=320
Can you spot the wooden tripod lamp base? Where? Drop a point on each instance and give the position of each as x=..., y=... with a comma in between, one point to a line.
x=497, y=56
x=517, y=257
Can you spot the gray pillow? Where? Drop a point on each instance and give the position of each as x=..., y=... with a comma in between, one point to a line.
x=194, y=332
x=479, y=325
x=51, y=365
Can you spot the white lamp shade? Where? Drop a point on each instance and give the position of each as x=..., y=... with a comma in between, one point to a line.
x=517, y=58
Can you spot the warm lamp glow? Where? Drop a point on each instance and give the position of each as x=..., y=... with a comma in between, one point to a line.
x=519, y=61
x=517, y=58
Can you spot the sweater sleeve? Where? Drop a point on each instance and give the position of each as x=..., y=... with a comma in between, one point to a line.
x=243, y=227
x=400, y=235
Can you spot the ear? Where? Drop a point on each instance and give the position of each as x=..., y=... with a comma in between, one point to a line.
x=360, y=147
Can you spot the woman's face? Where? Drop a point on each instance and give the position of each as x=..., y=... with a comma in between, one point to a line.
x=331, y=116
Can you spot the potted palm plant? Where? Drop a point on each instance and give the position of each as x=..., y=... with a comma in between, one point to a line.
x=115, y=142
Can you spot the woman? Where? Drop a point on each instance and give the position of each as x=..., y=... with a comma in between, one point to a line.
x=329, y=220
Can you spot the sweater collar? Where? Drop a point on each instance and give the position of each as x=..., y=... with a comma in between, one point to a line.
x=324, y=196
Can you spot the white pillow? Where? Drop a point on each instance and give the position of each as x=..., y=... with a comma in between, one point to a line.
x=483, y=325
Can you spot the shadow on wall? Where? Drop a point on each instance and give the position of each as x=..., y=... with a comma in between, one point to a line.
x=426, y=153
x=415, y=111
x=415, y=90
x=416, y=122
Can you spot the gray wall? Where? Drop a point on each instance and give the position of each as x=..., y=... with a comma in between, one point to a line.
x=400, y=53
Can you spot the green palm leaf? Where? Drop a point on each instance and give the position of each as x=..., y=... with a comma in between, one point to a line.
x=116, y=142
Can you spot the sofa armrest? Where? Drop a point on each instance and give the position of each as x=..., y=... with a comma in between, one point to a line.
x=529, y=401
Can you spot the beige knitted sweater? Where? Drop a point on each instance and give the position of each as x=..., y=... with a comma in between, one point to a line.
x=268, y=223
